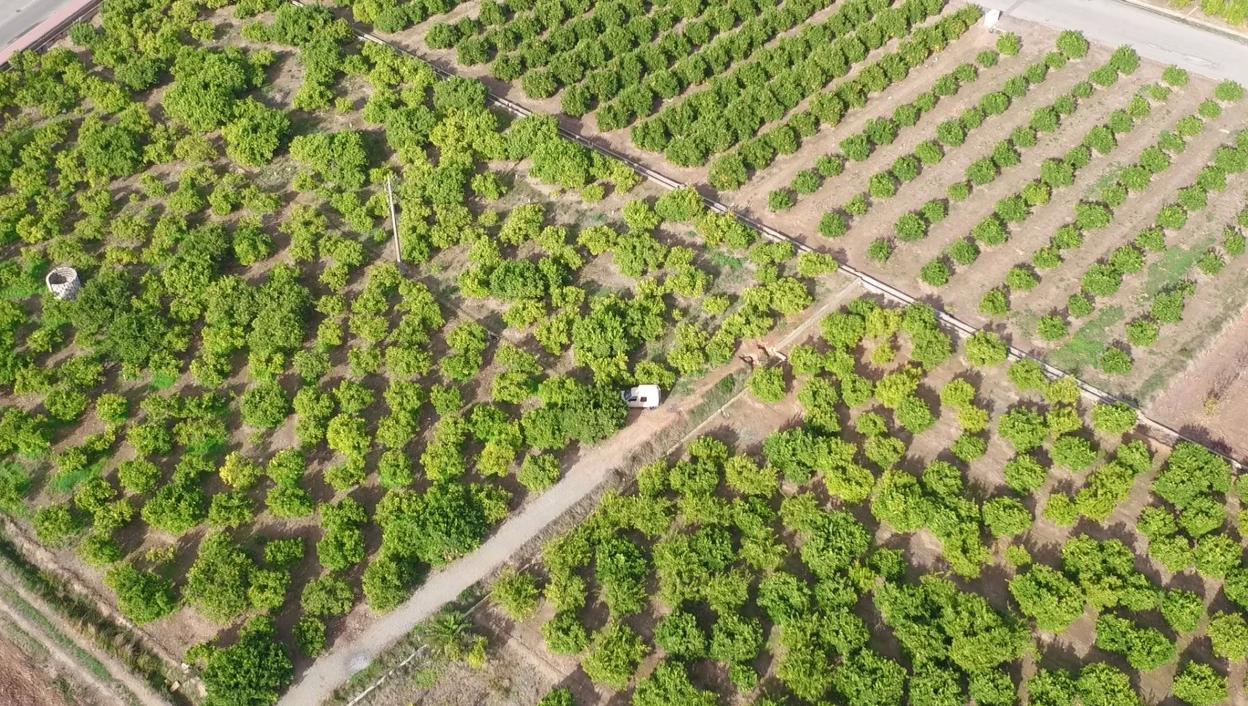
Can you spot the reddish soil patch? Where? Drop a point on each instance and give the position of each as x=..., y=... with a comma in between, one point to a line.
x=1209, y=400
x=22, y=681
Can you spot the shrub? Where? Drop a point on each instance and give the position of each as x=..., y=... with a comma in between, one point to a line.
x=906, y=169
x=963, y=251
x=768, y=385
x=516, y=593
x=1024, y=474
x=1200, y=685
x=1229, y=634
x=1022, y=279
x=1211, y=262
x=1175, y=76
x=986, y=349
x=1073, y=452
x=833, y=225
x=1079, y=305
x=1046, y=595
x=1116, y=361
x=882, y=186
x=951, y=133
x=1052, y=327
x=807, y=182
x=959, y=191
x=911, y=227
x=1229, y=92
x=995, y=302
x=1090, y=215
x=934, y=211
x=1234, y=242
x=1142, y=332
x=1009, y=44
x=1046, y=258
x=780, y=200
x=1125, y=60
x=1006, y=517
x=935, y=273
x=614, y=655
x=880, y=250
x=830, y=166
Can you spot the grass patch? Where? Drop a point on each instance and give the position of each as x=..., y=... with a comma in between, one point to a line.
x=1171, y=267
x=66, y=482
x=1089, y=342
x=163, y=379
x=725, y=261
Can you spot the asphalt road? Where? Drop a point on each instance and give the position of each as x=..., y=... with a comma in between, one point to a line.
x=17, y=16
x=1154, y=36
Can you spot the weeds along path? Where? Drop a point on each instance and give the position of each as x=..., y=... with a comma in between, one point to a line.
x=122, y=686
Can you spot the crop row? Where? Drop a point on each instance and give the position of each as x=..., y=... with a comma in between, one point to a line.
x=877, y=133
x=1135, y=179
x=950, y=134
x=1011, y=212
x=1103, y=279
x=1060, y=174
x=734, y=109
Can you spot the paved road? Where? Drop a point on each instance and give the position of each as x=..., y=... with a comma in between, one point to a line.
x=1154, y=36
x=18, y=16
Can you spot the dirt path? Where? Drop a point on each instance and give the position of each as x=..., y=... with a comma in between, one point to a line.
x=353, y=652
x=125, y=685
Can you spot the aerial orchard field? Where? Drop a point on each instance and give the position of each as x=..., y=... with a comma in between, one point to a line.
x=273, y=407
x=252, y=418
x=896, y=523
x=1023, y=179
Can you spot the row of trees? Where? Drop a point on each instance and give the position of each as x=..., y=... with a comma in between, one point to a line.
x=950, y=134
x=877, y=133
x=1055, y=175
x=1105, y=278
x=734, y=108
x=726, y=590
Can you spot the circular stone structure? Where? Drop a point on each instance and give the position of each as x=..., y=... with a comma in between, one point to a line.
x=63, y=282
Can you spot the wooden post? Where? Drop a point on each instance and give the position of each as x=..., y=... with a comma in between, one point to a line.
x=394, y=222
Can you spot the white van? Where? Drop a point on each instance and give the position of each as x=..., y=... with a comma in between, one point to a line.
x=643, y=396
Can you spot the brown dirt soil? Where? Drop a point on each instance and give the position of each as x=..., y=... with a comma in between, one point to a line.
x=970, y=283
x=25, y=681
x=1208, y=401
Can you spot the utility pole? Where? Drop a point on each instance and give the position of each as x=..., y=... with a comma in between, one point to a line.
x=394, y=221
